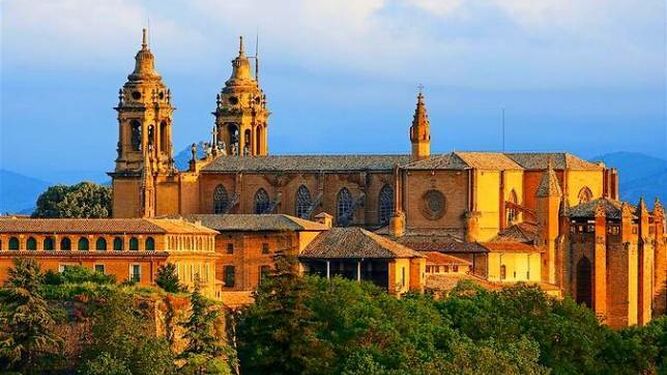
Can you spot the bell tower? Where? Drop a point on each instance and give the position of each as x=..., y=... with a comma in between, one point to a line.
x=144, y=137
x=420, y=131
x=241, y=114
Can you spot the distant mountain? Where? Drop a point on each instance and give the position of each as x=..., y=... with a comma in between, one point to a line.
x=640, y=175
x=18, y=193
x=182, y=159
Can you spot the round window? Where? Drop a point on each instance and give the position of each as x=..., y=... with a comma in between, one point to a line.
x=136, y=95
x=433, y=204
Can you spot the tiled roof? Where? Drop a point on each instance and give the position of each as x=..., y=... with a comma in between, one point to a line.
x=520, y=232
x=154, y=226
x=315, y=163
x=444, y=161
x=250, y=222
x=438, y=258
x=587, y=210
x=441, y=243
x=549, y=186
x=488, y=160
x=446, y=282
x=511, y=247
x=355, y=243
x=560, y=160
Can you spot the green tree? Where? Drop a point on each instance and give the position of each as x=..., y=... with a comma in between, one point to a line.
x=104, y=364
x=26, y=324
x=83, y=200
x=167, y=278
x=124, y=333
x=205, y=353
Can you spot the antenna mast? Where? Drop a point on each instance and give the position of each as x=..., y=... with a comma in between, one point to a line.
x=257, y=56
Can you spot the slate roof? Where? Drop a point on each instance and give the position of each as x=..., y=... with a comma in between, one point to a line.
x=438, y=258
x=315, y=163
x=92, y=226
x=587, y=210
x=355, y=243
x=250, y=222
x=549, y=186
x=488, y=160
x=560, y=160
x=449, y=161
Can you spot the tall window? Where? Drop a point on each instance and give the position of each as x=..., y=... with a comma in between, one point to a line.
x=303, y=202
x=220, y=199
x=134, y=244
x=385, y=204
x=118, y=244
x=150, y=244
x=229, y=276
x=135, y=137
x=31, y=243
x=164, y=138
x=265, y=248
x=135, y=272
x=262, y=201
x=344, y=214
x=585, y=195
x=83, y=244
x=511, y=211
x=49, y=243
x=66, y=244
x=503, y=272
x=13, y=243
x=230, y=248
x=101, y=244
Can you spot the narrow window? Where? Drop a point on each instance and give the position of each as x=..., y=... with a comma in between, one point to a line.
x=262, y=202
x=265, y=248
x=49, y=243
x=303, y=202
x=83, y=244
x=220, y=200
x=118, y=244
x=150, y=244
x=31, y=243
x=13, y=243
x=66, y=244
x=135, y=272
x=503, y=272
x=101, y=244
x=229, y=276
x=385, y=204
x=344, y=214
x=403, y=276
x=134, y=244
x=230, y=248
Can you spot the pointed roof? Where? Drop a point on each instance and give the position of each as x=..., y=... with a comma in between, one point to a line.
x=241, y=74
x=355, y=243
x=144, y=66
x=549, y=186
x=420, y=118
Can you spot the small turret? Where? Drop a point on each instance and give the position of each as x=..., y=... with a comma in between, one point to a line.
x=420, y=131
x=549, y=198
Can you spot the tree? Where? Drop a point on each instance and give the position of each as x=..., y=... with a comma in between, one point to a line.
x=26, y=324
x=123, y=337
x=83, y=200
x=167, y=278
x=205, y=353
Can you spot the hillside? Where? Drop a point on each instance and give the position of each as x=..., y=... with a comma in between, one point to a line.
x=640, y=175
x=18, y=192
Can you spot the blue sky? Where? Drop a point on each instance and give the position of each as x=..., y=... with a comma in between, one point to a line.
x=340, y=76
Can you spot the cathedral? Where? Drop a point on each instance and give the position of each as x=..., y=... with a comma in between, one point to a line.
x=551, y=219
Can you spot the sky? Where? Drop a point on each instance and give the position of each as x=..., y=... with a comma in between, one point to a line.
x=340, y=76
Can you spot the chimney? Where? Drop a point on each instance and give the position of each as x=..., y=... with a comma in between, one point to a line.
x=397, y=224
x=324, y=219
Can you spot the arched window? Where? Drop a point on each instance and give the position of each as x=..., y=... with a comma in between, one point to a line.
x=220, y=200
x=49, y=243
x=66, y=244
x=258, y=139
x=303, y=202
x=585, y=195
x=344, y=214
x=118, y=244
x=262, y=201
x=150, y=244
x=134, y=244
x=385, y=204
x=101, y=244
x=584, y=282
x=164, y=137
x=511, y=211
x=13, y=243
x=83, y=244
x=135, y=135
x=31, y=243
x=503, y=272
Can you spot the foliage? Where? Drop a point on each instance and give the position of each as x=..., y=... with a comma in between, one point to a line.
x=83, y=200
x=76, y=275
x=121, y=331
x=205, y=352
x=104, y=364
x=167, y=278
x=26, y=323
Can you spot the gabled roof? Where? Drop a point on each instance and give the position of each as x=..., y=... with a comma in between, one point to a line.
x=549, y=185
x=438, y=258
x=432, y=241
x=355, y=243
x=560, y=160
x=254, y=223
x=612, y=209
x=488, y=160
x=520, y=232
x=93, y=226
x=311, y=163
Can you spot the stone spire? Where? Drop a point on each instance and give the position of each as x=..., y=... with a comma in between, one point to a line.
x=549, y=186
x=241, y=73
x=144, y=67
x=420, y=131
